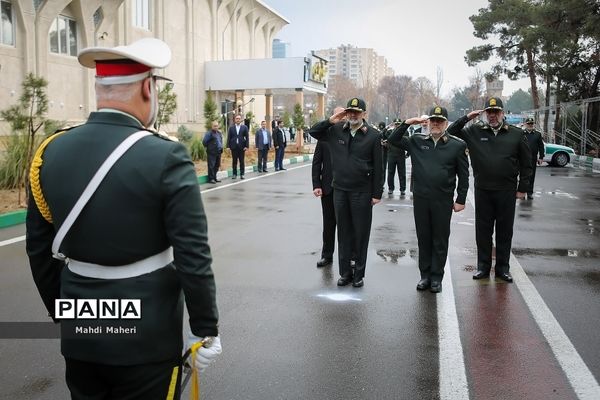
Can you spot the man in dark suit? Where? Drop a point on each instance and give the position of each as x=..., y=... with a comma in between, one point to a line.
x=237, y=141
x=213, y=142
x=279, y=142
x=321, y=178
x=262, y=141
x=142, y=235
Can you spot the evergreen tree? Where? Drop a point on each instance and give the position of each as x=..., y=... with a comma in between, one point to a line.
x=210, y=111
x=167, y=104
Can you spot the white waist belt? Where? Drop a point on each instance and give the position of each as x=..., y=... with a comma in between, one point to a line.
x=137, y=268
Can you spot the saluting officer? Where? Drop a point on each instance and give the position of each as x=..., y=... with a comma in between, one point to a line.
x=355, y=148
x=501, y=166
x=536, y=145
x=437, y=160
x=142, y=235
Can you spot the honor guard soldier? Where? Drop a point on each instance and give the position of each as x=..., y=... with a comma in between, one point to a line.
x=501, y=163
x=536, y=145
x=116, y=213
x=437, y=160
x=355, y=148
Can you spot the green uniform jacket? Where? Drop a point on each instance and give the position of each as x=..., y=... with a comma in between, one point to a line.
x=435, y=167
x=149, y=201
x=357, y=161
x=497, y=159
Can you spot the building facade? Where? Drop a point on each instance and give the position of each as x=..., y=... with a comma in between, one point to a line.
x=363, y=66
x=44, y=37
x=281, y=49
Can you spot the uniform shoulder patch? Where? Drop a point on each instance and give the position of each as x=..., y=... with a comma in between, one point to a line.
x=164, y=135
x=456, y=138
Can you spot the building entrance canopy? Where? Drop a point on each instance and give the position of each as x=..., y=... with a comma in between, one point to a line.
x=265, y=76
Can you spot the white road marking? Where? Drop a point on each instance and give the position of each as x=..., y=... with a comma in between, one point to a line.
x=11, y=241
x=581, y=379
x=453, y=378
x=578, y=374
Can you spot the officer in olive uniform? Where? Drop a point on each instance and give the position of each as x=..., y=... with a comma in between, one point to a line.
x=437, y=160
x=536, y=145
x=396, y=160
x=356, y=154
x=142, y=235
x=501, y=166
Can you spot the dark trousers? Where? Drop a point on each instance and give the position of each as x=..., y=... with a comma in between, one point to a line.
x=353, y=215
x=396, y=162
x=279, y=152
x=238, y=155
x=432, y=220
x=91, y=381
x=532, y=177
x=214, y=163
x=494, y=207
x=328, y=226
x=262, y=159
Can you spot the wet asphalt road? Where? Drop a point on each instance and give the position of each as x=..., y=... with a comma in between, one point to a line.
x=289, y=332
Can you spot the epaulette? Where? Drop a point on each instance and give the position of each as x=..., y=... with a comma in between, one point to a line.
x=164, y=135
x=34, y=174
x=67, y=128
x=456, y=138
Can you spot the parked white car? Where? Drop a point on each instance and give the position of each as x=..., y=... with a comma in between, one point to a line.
x=557, y=155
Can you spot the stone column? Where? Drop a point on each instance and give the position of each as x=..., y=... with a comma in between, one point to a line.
x=268, y=109
x=321, y=106
x=300, y=132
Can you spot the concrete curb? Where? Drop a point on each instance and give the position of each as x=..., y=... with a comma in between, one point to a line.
x=18, y=217
x=588, y=163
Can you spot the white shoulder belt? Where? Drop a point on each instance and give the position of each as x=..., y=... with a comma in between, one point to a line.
x=141, y=267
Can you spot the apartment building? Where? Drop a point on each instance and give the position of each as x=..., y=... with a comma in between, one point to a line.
x=363, y=66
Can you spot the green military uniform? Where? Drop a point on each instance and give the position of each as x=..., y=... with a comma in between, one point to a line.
x=536, y=145
x=435, y=167
x=357, y=178
x=501, y=162
x=149, y=201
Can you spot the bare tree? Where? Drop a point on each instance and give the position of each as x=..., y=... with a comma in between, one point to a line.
x=396, y=90
x=425, y=96
x=439, y=82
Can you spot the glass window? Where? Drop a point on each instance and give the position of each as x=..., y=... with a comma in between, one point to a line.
x=141, y=14
x=63, y=36
x=7, y=35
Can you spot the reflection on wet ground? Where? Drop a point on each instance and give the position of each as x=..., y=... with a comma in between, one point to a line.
x=591, y=225
x=581, y=253
x=587, y=276
x=392, y=256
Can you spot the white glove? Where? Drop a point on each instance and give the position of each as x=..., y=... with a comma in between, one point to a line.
x=205, y=355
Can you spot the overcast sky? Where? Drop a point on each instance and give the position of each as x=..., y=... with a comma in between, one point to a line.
x=414, y=36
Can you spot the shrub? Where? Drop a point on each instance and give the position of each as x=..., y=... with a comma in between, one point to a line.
x=184, y=134
x=197, y=150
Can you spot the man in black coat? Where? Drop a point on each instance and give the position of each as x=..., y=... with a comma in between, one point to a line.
x=396, y=160
x=438, y=159
x=279, y=142
x=536, y=145
x=356, y=154
x=237, y=142
x=321, y=178
x=213, y=142
x=501, y=162
x=141, y=236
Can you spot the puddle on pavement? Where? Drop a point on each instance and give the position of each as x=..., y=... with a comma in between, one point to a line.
x=580, y=253
x=393, y=256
